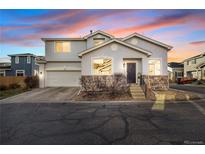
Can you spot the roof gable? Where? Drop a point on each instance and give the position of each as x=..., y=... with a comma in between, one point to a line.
x=111, y=41
x=98, y=32
x=148, y=39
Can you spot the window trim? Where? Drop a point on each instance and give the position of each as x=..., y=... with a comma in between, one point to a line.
x=101, y=57
x=17, y=60
x=20, y=70
x=28, y=59
x=4, y=73
x=61, y=51
x=160, y=60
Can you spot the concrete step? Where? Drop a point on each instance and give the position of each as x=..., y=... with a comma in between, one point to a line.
x=137, y=94
x=139, y=98
x=136, y=91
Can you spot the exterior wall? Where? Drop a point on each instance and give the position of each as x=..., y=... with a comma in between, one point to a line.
x=75, y=48
x=158, y=52
x=22, y=65
x=63, y=66
x=115, y=51
x=90, y=43
x=42, y=75
x=192, y=67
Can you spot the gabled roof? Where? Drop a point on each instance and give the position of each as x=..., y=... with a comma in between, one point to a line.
x=98, y=32
x=23, y=54
x=111, y=41
x=175, y=65
x=148, y=39
x=195, y=57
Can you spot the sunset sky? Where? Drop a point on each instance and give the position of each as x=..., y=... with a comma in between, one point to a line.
x=21, y=30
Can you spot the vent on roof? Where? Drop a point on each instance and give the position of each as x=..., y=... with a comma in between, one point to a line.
x=91, y=31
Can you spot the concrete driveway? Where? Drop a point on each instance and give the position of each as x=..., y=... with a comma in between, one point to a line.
x=47, y=95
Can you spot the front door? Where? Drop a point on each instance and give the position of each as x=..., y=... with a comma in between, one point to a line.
x=131, y=72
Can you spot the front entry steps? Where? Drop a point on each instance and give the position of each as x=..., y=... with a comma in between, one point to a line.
x=137, y=92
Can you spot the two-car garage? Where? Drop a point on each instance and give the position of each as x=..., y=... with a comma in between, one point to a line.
x=62, y=78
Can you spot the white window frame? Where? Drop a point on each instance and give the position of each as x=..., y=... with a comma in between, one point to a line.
x=3, y=71
x=160, y=60
x=61, y=51
x=22, y=71
x=17, y=60
x=101, y=57
x=28, y=59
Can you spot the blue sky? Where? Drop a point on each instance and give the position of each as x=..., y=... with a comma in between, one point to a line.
x=21, y=30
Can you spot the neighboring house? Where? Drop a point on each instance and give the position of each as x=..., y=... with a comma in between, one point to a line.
x=194, y=67
x=176, y=71
x=21, y=65
x=99, y=53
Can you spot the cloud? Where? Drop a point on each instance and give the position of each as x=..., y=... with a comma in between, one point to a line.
x=169, y=20
x=198, y=42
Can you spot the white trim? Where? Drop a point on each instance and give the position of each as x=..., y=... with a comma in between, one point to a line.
x=118, y=41
x=20, y=70
x=28, y=59
x=16, y=59
x=101, y=57
x=98, y=32
x=4, y=72
x=147, y=39
x=160, y=59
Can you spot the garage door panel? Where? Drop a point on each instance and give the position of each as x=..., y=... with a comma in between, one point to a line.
x=63, y=79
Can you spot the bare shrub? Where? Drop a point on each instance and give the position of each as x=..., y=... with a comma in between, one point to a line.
x=32, y=82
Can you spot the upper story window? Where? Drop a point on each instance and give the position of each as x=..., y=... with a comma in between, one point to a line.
x=154, y=67
x=97, y=41
x=62, y=46
x=28, y=59
x=17, y=60
x=193, y=61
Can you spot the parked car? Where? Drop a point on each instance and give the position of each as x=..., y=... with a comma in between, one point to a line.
x=185, y=80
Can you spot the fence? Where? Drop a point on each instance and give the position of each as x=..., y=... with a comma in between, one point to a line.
x=12, y=80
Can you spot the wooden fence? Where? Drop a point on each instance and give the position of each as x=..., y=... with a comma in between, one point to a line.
x=12, y=80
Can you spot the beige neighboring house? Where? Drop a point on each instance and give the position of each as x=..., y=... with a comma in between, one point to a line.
x=176, y=71
x=99, y=53
x=194, y=67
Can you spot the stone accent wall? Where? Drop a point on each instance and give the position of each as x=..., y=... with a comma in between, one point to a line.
x=104, y=83
x=157, y=82
x=153, y=83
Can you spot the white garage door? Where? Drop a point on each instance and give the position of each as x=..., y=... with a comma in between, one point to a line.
x=63, y=79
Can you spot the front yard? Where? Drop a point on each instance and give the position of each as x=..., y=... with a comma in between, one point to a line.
x=11, y=92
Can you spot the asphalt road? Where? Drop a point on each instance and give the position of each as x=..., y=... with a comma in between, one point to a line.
x=102, y=123
x=191, y=88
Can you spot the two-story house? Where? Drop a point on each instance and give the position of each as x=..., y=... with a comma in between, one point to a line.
x=99, y=53
x=176, y=71
x=21, y=65
x=194, y=67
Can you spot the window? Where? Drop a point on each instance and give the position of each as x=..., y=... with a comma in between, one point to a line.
x=179, y=74
x=62, y=46
x=97, y=41
x=102, y=66
x=28, y=59
x=2, y=73
x=17, y=60
x=154, y=67
x=193, y=61
x=20, y=73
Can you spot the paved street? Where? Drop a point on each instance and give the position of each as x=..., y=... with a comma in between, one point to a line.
x=187, y=87
x=102, y=123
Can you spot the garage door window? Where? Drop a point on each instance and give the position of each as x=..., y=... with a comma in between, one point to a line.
x=102, y=66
